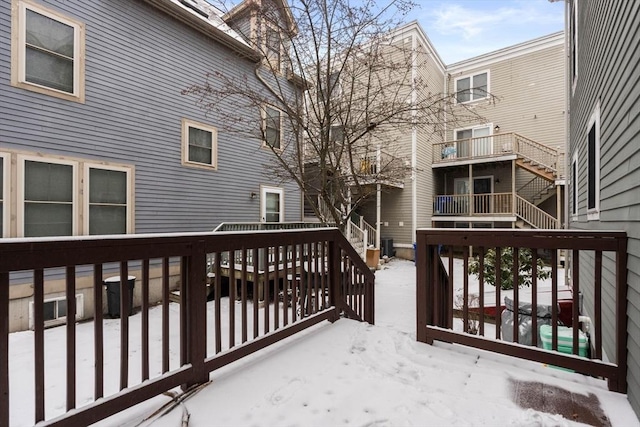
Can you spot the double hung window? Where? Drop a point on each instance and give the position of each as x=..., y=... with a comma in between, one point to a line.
x=472, y=88
x=48, y=52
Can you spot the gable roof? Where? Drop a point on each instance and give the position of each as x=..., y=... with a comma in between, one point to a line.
x=246, y=5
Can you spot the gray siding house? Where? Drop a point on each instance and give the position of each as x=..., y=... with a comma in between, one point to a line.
x=604, y=149
x=96, y=136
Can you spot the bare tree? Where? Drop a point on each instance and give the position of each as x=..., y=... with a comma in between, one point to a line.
x=343, y=78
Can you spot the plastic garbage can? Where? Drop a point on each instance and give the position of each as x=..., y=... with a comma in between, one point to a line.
x=112, y=284
x=525, y=324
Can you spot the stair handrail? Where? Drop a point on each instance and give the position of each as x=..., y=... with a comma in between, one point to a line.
x=535, y=187
x=536, y=152
x=357, y=236
x=370, y=230
x=533, y=215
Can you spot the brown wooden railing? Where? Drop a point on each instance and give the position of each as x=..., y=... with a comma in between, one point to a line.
x=443, y=259
x=316, y=275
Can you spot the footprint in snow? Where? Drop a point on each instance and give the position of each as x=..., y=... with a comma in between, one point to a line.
x=286, y=392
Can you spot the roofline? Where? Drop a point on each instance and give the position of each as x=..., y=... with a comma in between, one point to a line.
x=246, y=4
x=189, y=18
x=424, y=39
x=529, y=46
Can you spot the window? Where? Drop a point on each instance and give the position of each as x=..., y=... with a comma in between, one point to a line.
x=55, y=311
x=4, y=193
x=199, y=145
x=108, y=200
x=573, y=23
x=574, y=185
x=47, y=52
x=272, y=48
x=46, y=202
x=472, y=88
x=593, y=165
x=54, y=194
x=271, y=127
x=336, y=134
x=271, y=204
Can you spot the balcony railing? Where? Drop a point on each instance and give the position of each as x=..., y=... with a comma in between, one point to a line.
x=312, y=275
x=455, y=308
x=473, y=205
x=502, y=144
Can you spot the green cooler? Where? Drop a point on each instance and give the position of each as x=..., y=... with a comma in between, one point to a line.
x=565, y=340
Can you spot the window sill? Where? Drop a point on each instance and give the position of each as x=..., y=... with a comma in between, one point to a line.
x=202, y=166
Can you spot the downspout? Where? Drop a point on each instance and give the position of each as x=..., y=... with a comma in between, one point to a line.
x=414, y=141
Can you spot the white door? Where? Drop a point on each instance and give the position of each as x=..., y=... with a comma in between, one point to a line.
x=271, y=204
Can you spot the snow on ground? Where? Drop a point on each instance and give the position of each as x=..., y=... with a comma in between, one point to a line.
x=354, y=374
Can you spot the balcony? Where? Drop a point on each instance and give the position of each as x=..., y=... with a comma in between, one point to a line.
x=491, y=206
x=536, y=157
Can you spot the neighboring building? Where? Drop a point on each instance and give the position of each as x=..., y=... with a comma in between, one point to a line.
x=96, y=137
x=513, y=154
x=604, y=152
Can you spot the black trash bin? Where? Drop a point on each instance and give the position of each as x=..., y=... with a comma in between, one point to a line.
x=113, y=295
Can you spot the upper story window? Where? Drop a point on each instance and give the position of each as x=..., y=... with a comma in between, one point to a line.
x=199, y=145
x=472, y=88
x=273, y=45
x=593, y=165
x=47, y=52
x=272, y=125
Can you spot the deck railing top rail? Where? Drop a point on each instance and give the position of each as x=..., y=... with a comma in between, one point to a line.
x=317, y=276
x=532, y=279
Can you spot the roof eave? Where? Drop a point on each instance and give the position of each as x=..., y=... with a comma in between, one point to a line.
x=188, y=18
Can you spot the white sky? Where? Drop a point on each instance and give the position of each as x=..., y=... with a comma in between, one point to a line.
x=461, y=29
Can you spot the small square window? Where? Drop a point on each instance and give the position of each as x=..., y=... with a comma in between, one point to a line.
x=199, y=145
x=272, y=126
x=48, y=52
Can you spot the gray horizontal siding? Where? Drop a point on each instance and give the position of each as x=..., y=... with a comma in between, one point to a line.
x=608, y=49
x=138, y=60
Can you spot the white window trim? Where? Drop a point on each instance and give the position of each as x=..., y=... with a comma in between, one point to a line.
x=59, y=320
x=593, y=214
x=20, y=186
x=18, y=51
x=6, y=176
x=86, y=186
x=574, y=187
x=265, y=144
x=186, y=124
x=470, y=77
x=264, y=189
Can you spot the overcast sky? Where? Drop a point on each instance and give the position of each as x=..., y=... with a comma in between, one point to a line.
x=461, y=29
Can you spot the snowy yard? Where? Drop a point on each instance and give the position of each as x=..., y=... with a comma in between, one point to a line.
x=347, y=373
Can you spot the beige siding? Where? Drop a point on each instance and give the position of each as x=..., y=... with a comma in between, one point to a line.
x=529, y=95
